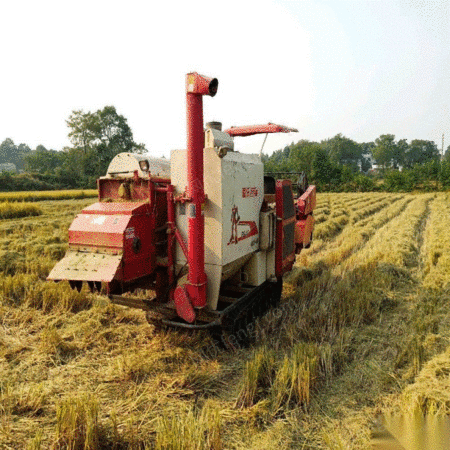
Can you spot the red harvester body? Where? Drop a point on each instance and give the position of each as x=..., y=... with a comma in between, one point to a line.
x=165, y=226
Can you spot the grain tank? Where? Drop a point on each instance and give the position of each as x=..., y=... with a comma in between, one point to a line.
x=206, y=235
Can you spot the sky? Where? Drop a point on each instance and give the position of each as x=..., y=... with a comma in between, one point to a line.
x=356, y=67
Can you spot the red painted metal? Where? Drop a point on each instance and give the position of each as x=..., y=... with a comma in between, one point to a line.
x=196, y=86
x=118, y=242
x=306, y=203
x=183, y=304
x=303, y=232
x=259, y=129
x=285, y=228
x=110, y=241
x=170, y=238
x=305, y=220
x=201, y=85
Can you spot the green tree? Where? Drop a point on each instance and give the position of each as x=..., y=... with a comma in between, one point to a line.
x=384, y=150
x=22, y=152
x=343, y=151
x=366, y=156
x=322, y=168
x=447, y=154
x=396, y=181
x=83, y=129
x=444, y=174
x=8, y=151
x=301, y=157
x=97, y=138
x=421, y=151
x=43, y=160
x=399, y=152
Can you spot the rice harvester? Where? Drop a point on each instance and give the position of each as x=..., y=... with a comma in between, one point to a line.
x=206, y=233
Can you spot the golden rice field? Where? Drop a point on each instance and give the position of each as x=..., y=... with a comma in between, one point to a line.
x=36, y=196
x=363, y=329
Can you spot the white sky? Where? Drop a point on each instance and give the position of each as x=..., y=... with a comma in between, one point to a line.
x=361, y=68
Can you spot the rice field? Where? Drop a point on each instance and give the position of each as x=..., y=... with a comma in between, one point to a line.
x=10, y=210
x=363, y=328
x=37, y=196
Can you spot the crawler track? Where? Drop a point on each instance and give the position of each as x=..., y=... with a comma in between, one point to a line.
x=230, y=325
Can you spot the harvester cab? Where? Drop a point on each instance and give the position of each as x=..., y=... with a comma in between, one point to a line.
x=206, y=233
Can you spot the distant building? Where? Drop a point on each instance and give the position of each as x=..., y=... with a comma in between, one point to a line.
x=8, y=167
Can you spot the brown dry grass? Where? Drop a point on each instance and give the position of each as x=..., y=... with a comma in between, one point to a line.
x=359, y=331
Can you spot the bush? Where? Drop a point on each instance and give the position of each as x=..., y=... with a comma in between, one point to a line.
x=396, y=181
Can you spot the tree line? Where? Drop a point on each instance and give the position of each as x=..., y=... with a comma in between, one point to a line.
x=335, y=164
x=341, y=164
x=95, y=137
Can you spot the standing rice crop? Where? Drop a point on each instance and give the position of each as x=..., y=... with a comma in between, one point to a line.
x=36, y=196
x=10, y=210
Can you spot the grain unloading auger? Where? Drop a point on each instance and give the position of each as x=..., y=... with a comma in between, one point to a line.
x=207, y=232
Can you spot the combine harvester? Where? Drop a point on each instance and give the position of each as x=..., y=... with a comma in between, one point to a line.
x=207, y=232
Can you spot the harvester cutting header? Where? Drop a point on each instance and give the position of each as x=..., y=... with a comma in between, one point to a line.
x=206, y=232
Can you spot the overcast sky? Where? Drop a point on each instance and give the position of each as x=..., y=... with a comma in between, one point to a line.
x=361, y=68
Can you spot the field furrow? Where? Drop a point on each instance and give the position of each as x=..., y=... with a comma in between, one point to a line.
x=355, y=235
x=397, y=241
x=362, y=223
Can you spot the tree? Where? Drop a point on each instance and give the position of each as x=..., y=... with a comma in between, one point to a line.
x=84, y=129
x=384, y=150
x=98, y=137
x=399, y=152
x=343, y=151
x=322, y=168
x=421, y=151
x=366, y=156
x=302, y=155
x=43, y=160
x=8, y=151
x=22, y=152
x=447, y=154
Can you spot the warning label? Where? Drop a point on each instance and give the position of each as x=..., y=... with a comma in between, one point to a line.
x=249, y=192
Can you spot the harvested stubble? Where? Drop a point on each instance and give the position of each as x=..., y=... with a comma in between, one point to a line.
x=430, y=393
x=295, y=378
x=397, y=241
x=189, y=430
x=23, y=400
x=320, y=365
x=436, y=248
x=333, y=225
x=356, y=234
x=258, y=377
x=77, y=424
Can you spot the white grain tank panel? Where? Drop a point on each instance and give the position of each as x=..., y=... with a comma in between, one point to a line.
x=213, y=210
x=234, y=189
x=267, y=229
x=255, y=269
x=242, y=197
x=270, y=264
